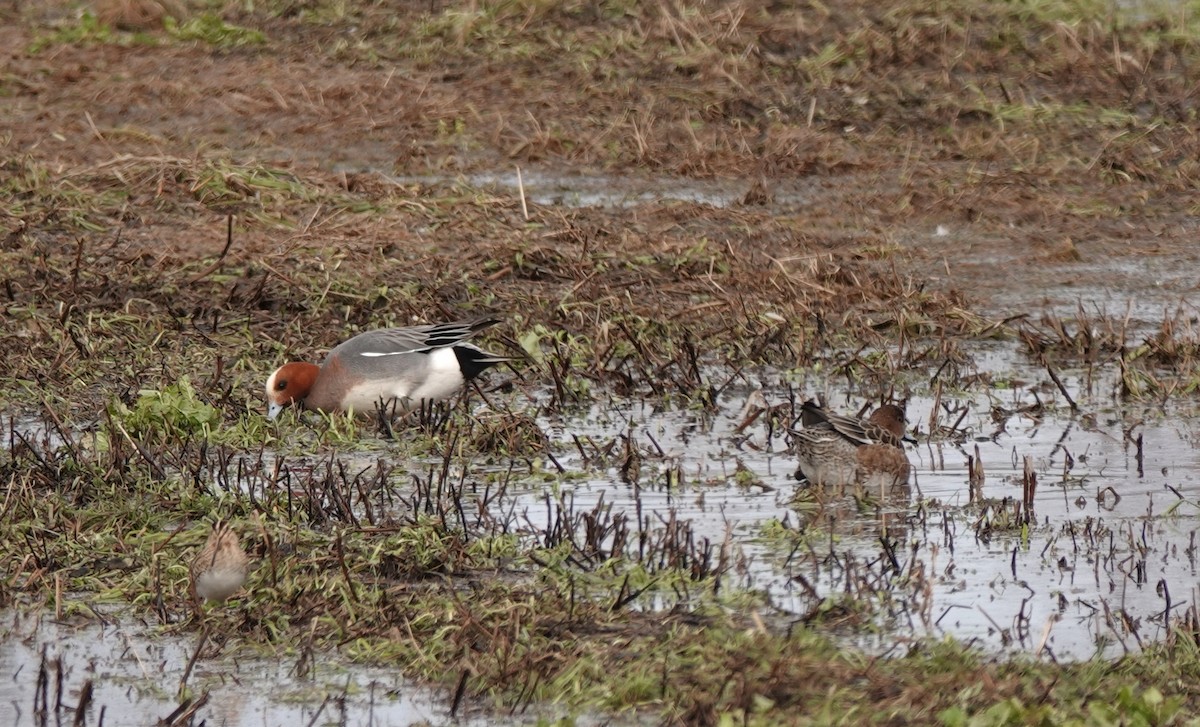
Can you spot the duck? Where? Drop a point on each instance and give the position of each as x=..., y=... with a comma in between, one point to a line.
x=396, y=368
x=219, y=570
x=838, y=451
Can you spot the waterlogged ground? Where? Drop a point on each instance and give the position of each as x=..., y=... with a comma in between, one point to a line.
x=1107, y=557
x=129, y=673
x=1107, y=561
x=689, y=217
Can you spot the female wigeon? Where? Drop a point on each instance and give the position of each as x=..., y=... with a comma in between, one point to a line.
x=837, y=451
x=396, y=368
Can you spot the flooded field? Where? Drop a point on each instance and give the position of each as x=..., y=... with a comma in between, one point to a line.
x=116, y=671
x=1106, y=558
x=985, y=211
x=1102, y=566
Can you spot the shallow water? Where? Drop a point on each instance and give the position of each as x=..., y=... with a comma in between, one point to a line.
x=600, y=190
x=1110, y=550
x=1089, y=575
x=135, y=672
x=1134, y=292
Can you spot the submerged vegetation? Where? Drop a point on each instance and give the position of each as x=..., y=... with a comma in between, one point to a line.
x=188, y=200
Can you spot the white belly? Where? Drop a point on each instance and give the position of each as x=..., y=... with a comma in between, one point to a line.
x=217, y=584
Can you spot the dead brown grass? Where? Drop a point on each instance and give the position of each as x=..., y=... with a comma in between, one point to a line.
x=139, y=15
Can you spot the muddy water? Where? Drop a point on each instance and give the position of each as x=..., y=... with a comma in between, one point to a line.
x=579, y=190
x=135, y=671
x=1136, y=292
x=1141, y=290
x=1110, y=549
x=1105, y=556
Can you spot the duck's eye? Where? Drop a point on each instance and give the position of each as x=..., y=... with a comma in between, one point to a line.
x=281, y=385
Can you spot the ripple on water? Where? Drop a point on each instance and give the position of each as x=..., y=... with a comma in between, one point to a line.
x=135, y=670
x=1088, y=577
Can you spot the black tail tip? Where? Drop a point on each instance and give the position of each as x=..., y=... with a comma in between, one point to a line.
x=474, y=361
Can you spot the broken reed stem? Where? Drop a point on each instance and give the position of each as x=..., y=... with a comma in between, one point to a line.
x=1062, y=389
x=1028, y=489
x=934, y=411
x=187, y=672
x=521, y=190
x=85, y=701
x=220, y=258
x=975, y=476
x=1140, y=456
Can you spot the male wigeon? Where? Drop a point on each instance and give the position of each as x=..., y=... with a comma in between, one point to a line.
x=396, y=368
x=839, y=451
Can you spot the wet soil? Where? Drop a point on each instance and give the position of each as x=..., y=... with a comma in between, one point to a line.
x=849, y=192
x=912, y=146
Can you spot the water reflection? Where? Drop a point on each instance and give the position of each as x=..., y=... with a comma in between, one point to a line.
x=1109, y=531
x=129, y=673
